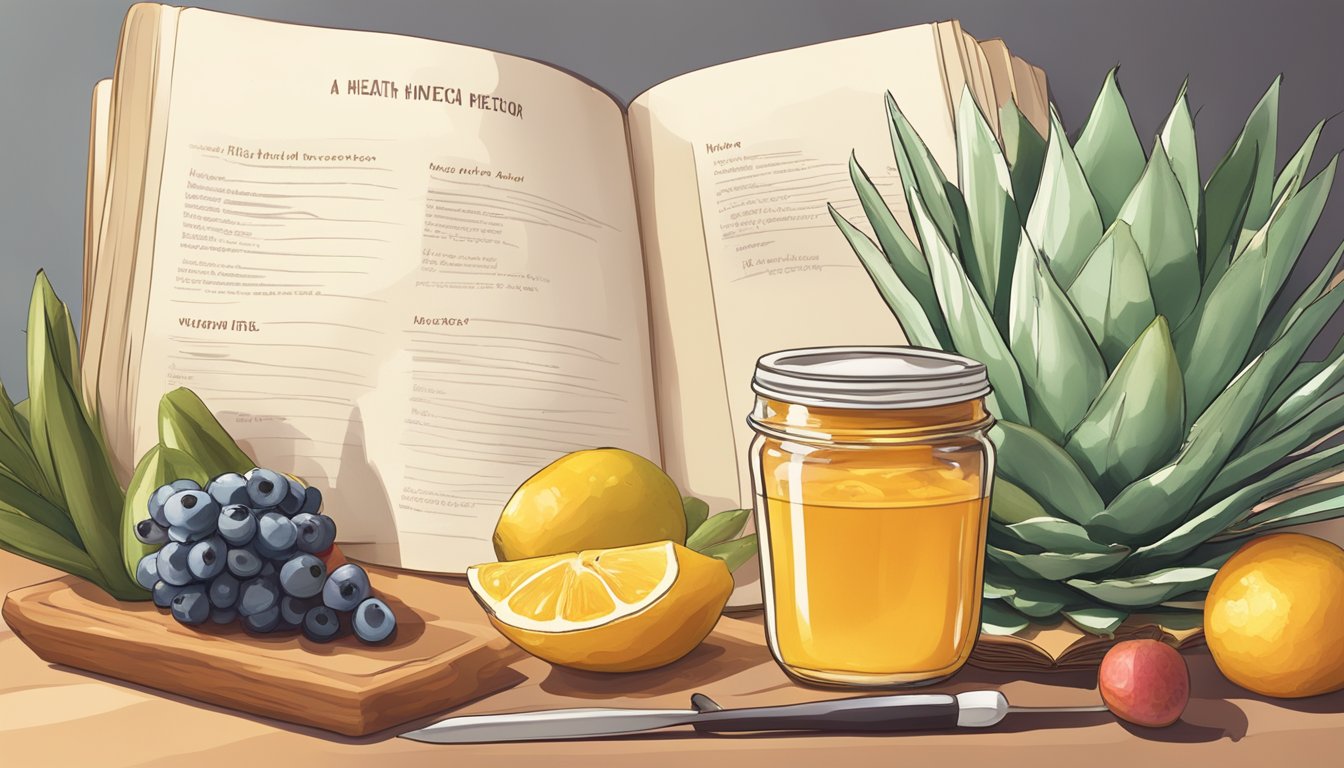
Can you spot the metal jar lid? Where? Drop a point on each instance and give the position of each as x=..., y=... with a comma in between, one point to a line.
x=869, y=377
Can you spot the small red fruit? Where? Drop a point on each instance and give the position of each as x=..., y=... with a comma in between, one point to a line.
x=1144, y=682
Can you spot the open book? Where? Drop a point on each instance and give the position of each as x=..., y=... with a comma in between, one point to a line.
x=415, y=272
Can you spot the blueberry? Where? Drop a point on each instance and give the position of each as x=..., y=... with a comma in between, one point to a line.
x=263, y=621
x=276, y=531
x=172, y=564
x=266, y=488
x=224, y=590
x=161, y=495
x=149, y=532
x=192, y=510
x=223, y=615
x=373, y=621
x=293, y=609
x=164, y=593
x=346, y=588
x=321, y=624
x=147, y=570
x=191, y=606
x=258, y=594
x=316, y=532
x=237, y=525
x=303, y=576
x=230, y=488
x=294, y=499
x=272, y=553
x=243, y=562
x=312, y=501
x=206, y=559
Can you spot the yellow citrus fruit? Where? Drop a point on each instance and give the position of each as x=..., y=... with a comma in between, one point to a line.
x=611, y=610
x=595, y=499
x=1274, y=617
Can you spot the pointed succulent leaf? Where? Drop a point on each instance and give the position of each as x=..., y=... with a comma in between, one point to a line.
x=187, y=424
x=1287, y=232
x=1271, y=331
x=996, y=618
x=970, y=325
x=1032, y=462
x=1263, y=124
x=1098, y=620
x=920, y=175
x=1178, y=141
x=1237, y=195
x=1064, y=222
x=1295, y=170
x=1051, y=534
x=1109, y=151
x=1032, y=597
x=29, y=539
x=1148, y=590
x=992, y=213
x=909, y=311
x=1136, y=423
x=1024, y=150
x=1315, y=391
x=16, y=452
x=1157, y=217
x=1251, y=460
x=1324, y=504
x=1011, y=504
x=1112, y=294
x=1056, y=566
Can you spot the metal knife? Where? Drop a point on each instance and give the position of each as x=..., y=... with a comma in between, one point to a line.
x=902, y=712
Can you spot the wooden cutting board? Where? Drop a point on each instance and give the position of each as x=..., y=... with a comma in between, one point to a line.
x=444, y=654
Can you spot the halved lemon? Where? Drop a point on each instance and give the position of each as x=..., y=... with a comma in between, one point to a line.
x=606, y=610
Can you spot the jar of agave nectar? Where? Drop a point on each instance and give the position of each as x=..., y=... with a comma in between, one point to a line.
x=871, y=471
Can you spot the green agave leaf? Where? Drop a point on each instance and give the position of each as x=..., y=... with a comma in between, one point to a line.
x=1149, y=590
x=1158, y=219
x=185, y=423
x=70, y=450
x=988, y=188
x=1064, y=222
x=1248, y=167
x=1097, y=620
x=1314, y=425
x=718, y=529
x=1112, y=294
x=1295, y=170
x=1037, y=599
x=1030, y=461
x=1011, y=504
x=1269, y=332
x=901, y=253
x=735, y=552
x=1137, y=421
x=30, y=539
x=1056, y=566
x=19, y=496
x=697, y=511
x=160, y=465
x=1109, y=151
x=996, y=618
x=1319, y=389
x=1263, y=124
x=973, y=332
x=1178, y=141
x=1060, y=365
x=920, y=175
x=1051, y=534
x=909, y=310
x=1024, y=150
x=16, y=454
x=1218, y=516
x=1226, y=206
x=1324, y=504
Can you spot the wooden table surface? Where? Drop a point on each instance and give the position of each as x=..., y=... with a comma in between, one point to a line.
x=55, y=716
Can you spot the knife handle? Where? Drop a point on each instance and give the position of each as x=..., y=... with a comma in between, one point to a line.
x=904, y=712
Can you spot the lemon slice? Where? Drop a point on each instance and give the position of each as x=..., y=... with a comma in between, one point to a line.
x=606, y=609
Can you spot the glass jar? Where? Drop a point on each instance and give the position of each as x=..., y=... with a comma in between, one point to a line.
x=871, y=471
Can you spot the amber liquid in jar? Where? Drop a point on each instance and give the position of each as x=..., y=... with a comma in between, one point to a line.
x=872, y=525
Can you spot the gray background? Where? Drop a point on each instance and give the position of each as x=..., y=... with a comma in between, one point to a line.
x=52, y=51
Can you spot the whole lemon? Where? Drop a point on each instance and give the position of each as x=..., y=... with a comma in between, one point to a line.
x=595, y=499
x=1274, y=617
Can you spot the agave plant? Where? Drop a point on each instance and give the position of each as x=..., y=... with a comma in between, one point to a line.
x=1153, y=411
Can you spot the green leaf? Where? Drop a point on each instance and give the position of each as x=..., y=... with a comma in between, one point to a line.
x=1037, y=599
x=1011, y=504
x=1109, y=151
x=973, y=332
x=1158, y=219
x=1029, y=460
x=1251, y=460
x=1295, y=170
x=1052, y=534
x=16, y=453
x=920, y=175
x=1148, y=590
x=1311, y=394
x=1112, y=293
x=718, y=528
x=1024, y=150
x=185, y=423
x=697, y=511
x=916, y=323
x=1096, y=619
x=1324, y=504
x=1064, y=222
x=1246, y=173
x=1056, y=566
x=30, y=539
x=1060, y=365
x=735, y=553
x=996, y=618
x=1263, y=125
x=159, y=466
x=988, y=189
x=19, y=496
x=1269, y=332
x=1178, y=141
x=67, y=446
x=1137, y=421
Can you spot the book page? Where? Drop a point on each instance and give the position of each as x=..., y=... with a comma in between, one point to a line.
x=95, y=194
x=406, y=271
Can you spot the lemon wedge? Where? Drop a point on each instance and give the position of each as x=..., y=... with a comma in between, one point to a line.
x=606, y=610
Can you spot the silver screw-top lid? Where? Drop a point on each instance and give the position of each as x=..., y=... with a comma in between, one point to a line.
x=869, y=377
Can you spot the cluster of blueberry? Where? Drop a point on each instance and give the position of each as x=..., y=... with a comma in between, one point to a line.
x=254, y=546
